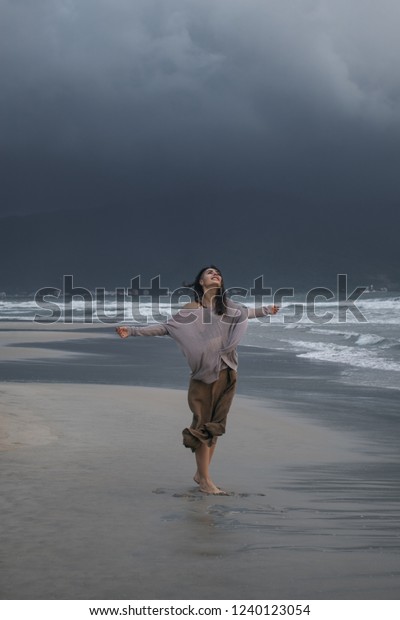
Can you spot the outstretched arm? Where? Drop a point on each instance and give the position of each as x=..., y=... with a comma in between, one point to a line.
x=158, y=329
x=254, y=313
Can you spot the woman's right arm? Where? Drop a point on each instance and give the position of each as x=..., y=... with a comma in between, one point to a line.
x=157, y=329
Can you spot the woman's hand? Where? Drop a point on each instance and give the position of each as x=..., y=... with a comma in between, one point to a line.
x=123, y=332
x=260, y=311
x=271, y=309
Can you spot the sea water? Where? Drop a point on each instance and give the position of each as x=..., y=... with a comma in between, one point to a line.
x=365, y=344
x=367, y=350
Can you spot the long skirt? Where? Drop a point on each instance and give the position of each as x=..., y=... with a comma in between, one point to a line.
x=209, y=403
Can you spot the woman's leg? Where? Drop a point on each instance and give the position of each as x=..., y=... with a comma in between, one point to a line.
x=196, y=477
x=203, y=456
x=210, y=405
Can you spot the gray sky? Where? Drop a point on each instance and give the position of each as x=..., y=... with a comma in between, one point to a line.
x=286, y=107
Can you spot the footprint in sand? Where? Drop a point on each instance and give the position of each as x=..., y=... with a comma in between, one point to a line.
x=197, y=494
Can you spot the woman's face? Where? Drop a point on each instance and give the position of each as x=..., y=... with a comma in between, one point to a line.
x=210, y=278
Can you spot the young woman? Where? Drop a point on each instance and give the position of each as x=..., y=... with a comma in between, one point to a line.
x=208, y=331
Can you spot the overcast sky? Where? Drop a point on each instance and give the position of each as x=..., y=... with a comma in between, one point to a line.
x=287, y=103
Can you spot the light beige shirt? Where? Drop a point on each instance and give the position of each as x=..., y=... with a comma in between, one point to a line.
x=207, y=340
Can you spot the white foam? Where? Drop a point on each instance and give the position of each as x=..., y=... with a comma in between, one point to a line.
x=345, y=355
x=335, y=332
x=368, y=339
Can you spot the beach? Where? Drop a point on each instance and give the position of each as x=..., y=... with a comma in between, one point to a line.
x=98, y=500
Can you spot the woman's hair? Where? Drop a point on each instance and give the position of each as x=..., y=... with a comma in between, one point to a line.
x=220, y=298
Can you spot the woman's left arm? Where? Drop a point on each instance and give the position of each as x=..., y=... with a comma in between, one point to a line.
x=254, y=313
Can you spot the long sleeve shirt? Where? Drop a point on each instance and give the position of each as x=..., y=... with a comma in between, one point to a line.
x=207, y=340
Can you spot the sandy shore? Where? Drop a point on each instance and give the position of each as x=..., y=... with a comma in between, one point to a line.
x=98, y=500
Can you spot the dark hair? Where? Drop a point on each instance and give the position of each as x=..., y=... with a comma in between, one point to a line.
x=220, y=298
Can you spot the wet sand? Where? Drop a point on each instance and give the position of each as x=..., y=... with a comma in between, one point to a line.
x=97, y=497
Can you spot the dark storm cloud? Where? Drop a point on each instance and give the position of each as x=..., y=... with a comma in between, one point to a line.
x=289, y=108
x=255, y=93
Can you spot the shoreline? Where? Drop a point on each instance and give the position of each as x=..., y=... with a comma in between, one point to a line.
x=95, y=355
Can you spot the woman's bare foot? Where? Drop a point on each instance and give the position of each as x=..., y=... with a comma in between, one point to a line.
x=220, y=491
x=207, y=486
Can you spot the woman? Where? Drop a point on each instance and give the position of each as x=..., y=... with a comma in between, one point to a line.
x=208, y=331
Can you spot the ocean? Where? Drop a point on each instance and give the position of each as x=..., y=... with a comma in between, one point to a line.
x=363, y=341
x=368, y=352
